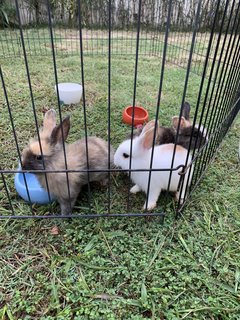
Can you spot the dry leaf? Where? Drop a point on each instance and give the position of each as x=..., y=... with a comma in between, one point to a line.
x=54, y=230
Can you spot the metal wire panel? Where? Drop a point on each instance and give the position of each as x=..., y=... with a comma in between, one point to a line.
x=122, y=40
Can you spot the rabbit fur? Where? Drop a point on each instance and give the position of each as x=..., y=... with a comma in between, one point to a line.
x=52, y=158
x=162, y=158
x=166, y=135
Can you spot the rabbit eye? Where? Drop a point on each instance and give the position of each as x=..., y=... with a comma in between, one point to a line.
x=125, y=155
x=39, y=157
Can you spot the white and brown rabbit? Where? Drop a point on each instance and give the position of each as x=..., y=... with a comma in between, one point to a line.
x=187, y=133
x=162, y=159
x=52, y=158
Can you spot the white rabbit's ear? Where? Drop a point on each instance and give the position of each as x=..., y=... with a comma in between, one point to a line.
x=49, y=122
x=147, y=135
x=149, y=125
x=183, y=122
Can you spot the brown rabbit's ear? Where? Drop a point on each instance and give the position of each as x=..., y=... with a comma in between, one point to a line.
x=147, y=134
x=186, y=110
x=56, y=136
x=183, y=122
x=49, y=122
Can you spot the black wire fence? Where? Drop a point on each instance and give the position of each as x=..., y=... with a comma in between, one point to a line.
x=124, y=20
x=122, y=52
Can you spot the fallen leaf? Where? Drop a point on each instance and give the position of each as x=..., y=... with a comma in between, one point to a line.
x=54, y=230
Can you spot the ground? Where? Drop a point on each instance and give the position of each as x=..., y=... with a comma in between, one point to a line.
x=128, y=268
x=131, y=268
x=122, y=78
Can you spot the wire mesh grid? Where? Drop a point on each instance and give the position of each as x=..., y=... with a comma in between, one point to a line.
x=120, y=43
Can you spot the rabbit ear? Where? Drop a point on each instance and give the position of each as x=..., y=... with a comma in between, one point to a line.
x=186, y=110
x=56, y=136
x=183, y=122
x=149, y=125
x=146, y=137
x=49, y=122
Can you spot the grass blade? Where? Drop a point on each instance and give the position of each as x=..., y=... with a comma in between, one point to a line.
x=185, y=246
x=143, y=293
x=237, y=279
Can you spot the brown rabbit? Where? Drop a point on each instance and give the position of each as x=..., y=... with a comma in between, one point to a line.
x=53, y=159
x=187, y=133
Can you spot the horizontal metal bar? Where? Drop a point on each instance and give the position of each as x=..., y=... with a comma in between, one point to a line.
x=211, y=137
x=185, y=49
x=90, y=170
x=77, y=39
x=189, y=196
x=87, y=216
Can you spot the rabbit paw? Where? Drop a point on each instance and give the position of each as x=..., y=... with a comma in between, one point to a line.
x=135, y=189
x=151, y=205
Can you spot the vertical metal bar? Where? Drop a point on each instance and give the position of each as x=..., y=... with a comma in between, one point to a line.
x=39, y=41
x=84, y=98
x=156, y=32
x=3, y=52
x=91, y=29
x=102, y=41
x=12, y=42
x=58, y=99
x=128, y=26
x=207, y=91
x=185, y=85
x=214, y=108
x=134, y=99
x=87, y=49
x=97, y=35
x=217, y=96
x=223, y=74
x=220, y=85
x=109, y=101
x=159, y=95
x=60, y=38
x=32, y=37
x=227, y=99
x=131, y=45
x=7, y=192
x=117, y=36
x=45, y=41
x=15, y=135
x=145, y=44
x=230, y=86
x=31, y=91
x=178, y=45
x=26, y=36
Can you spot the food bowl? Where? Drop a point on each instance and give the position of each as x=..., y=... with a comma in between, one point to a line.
x=36, y=192
x=140, y=115
x=69, y=93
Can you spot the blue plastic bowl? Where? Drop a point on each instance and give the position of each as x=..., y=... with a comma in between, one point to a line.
x=36, y=192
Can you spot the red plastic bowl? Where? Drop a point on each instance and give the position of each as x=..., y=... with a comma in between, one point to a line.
x=140, y=115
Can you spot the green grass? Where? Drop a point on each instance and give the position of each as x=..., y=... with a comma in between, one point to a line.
x=123, y=43
x=96, y=81
x=130, y=268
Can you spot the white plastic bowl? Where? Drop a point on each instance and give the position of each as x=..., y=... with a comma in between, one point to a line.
x=69, y=92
